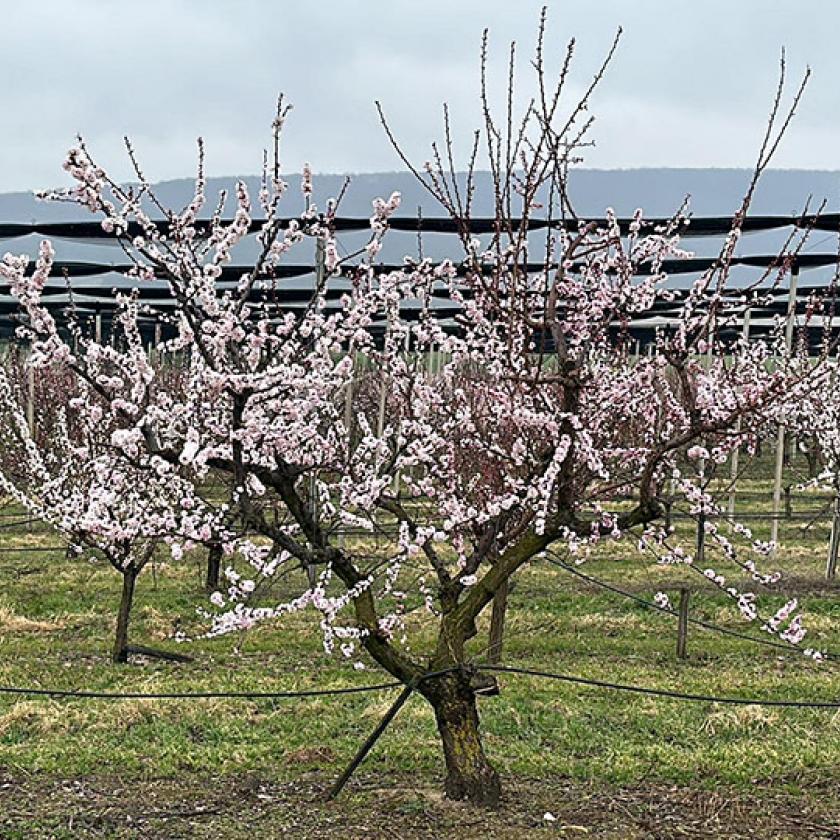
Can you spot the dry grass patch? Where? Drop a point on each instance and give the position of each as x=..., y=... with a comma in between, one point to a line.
x=13, y=622
x=751, y=718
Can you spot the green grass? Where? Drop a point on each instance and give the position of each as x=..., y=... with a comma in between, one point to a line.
x=56, y=618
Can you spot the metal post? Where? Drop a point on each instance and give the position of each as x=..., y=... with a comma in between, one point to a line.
x=397, y=477
x=733, y=470
x=707, y=364
x=780, y=435
x=348, y=408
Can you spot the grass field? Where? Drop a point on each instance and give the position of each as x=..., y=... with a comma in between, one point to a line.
x=604, y=764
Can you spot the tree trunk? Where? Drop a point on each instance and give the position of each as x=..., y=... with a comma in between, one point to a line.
x=812, y=453
x=469, y=775
x=120, y=653
x=214, y=568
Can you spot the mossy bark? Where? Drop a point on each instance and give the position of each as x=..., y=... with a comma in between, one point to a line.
x=469, y=774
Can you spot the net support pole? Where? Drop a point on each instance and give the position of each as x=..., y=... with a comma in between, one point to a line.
x=733, y=467
x=780, y=435
x=157, y=342
x=314, y=507
x=383, y=384
x=395, y=489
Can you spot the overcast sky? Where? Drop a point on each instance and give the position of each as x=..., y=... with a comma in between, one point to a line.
x=690, y=85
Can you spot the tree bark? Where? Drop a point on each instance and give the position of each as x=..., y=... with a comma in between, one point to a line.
x=214, y=568
x=469, y=774
x=812, y=453
x=120, y=653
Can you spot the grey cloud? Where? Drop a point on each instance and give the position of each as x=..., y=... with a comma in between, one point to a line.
x=690, y=86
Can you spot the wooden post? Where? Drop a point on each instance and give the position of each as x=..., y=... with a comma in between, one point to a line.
x=682, y=624
x=733, y=467
x=701, y=538
x=780, y=435
x=497, y=625
x=834, y=542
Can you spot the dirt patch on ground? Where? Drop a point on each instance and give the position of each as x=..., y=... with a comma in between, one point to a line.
x=41, y=807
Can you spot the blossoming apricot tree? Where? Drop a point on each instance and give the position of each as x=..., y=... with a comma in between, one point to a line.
x=539, y=428
x=62, y=468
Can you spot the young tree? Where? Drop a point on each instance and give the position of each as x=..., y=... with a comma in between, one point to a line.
x=539, y=428
x=815, y=406
x=79, y=471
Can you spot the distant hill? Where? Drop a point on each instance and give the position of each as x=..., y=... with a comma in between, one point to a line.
x=657, y=191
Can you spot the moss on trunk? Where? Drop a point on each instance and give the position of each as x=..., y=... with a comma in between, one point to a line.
x=469, y=774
